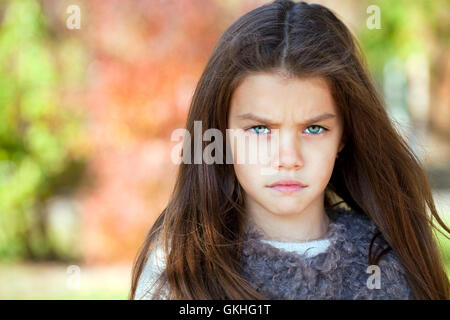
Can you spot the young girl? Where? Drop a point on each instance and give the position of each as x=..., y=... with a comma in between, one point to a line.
x=235, y=231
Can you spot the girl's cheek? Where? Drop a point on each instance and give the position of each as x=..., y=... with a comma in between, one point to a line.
x=246, y=177
x=238, y=147
x=265, y=156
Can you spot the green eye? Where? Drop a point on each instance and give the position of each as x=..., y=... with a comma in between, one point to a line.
x=259, y=129
x=317, y=130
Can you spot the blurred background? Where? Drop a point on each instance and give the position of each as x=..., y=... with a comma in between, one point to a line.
x=90, y=92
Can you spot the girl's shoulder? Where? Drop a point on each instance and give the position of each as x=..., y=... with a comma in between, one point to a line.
x=153, y=268
x=354, y=223
x=384, y=280
x=356, y=229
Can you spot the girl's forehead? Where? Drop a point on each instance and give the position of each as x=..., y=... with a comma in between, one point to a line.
x=270, y=93
x=282, y=79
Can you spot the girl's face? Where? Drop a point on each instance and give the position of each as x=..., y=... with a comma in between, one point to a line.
x=307, y=148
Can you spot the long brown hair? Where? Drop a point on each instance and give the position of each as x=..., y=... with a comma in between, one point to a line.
x=376, y=174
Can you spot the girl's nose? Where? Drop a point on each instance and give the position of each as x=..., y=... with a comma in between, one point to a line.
x=289, y=150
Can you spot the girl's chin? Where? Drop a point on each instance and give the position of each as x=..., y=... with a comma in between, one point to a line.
x=286, y=210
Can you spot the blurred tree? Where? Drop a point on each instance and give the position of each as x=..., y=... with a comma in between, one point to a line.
x=409, y=27
x=40, y=154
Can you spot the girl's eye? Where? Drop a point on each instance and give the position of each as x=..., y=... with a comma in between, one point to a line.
x=259, y=129
x=317, y=130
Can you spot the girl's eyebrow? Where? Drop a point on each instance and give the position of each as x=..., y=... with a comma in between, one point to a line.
x=251, y=116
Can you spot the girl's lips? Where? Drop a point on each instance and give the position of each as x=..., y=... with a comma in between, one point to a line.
x=288, y=182
x=287, y=188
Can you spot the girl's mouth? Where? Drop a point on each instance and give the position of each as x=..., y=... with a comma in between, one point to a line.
x=287, y=188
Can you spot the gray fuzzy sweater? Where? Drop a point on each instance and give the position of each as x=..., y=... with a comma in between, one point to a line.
x=340, y=272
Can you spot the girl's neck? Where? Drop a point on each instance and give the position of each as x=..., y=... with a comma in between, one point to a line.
x=303, y=227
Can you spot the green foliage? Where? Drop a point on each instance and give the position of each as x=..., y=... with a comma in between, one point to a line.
x=406, y=27
x=37, y=131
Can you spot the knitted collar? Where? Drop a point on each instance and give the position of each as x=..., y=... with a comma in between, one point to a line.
x=344, y=224
x=281, y=274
